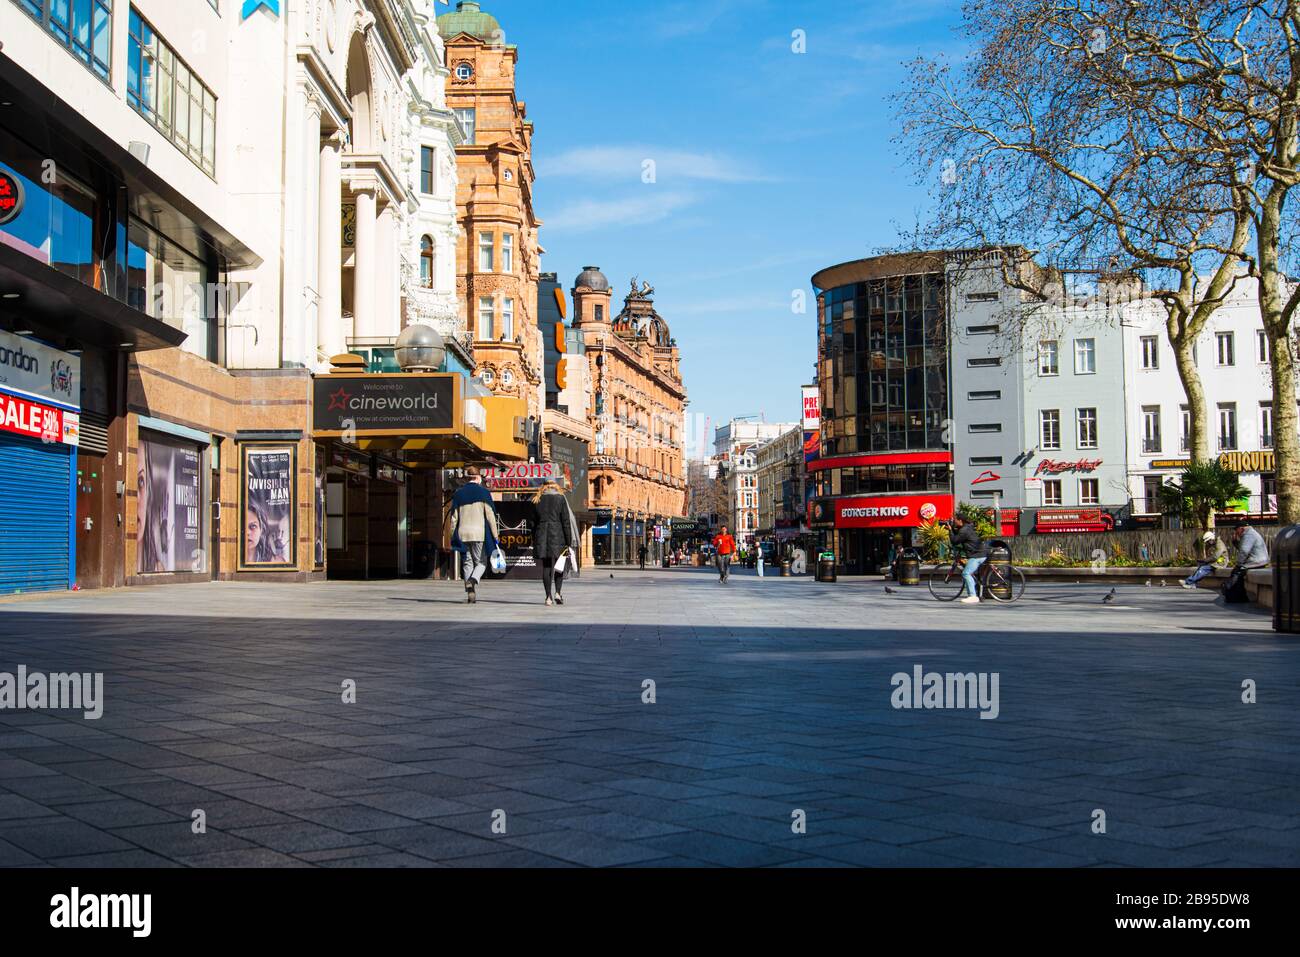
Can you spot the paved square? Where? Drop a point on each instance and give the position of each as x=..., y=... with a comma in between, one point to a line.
x=770, y=697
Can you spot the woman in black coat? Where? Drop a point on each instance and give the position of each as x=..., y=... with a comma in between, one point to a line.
x=555, y=532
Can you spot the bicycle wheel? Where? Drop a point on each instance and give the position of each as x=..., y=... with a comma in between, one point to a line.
x=1013, y=580
x=946, y=584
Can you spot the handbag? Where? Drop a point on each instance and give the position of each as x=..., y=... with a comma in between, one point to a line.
x=562, y=562
x=498, y=561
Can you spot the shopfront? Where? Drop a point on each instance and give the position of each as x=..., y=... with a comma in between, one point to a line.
x=39, y=429
x=862, y=530
x=390, y=447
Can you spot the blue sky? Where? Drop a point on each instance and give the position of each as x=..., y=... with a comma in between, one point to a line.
x=769, y=164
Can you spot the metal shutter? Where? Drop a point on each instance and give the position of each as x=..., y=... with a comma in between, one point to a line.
x=35, y=514
x=94, y=434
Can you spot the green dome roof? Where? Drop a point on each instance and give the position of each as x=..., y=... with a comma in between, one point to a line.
x=468, y=18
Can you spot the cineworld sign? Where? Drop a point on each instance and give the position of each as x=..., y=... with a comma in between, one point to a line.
x=384, y=404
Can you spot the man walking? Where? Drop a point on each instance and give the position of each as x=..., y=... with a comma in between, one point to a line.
x=474, y=528
x=725, y=546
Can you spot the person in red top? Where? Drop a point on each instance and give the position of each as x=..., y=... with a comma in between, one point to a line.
x=725, y=546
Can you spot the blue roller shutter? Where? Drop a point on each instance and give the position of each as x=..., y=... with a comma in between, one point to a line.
x=35, y=514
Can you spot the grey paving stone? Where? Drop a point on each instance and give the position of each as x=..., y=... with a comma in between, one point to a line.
x=772, y=695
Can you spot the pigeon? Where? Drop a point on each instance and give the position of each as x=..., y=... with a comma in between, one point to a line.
x=1148, y=583
x=888, y=590
x=1109, y=598
x=1162, y=583
x=611, y=574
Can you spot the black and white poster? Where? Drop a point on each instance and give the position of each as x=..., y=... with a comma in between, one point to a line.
x=169, y=513
x=268, y=506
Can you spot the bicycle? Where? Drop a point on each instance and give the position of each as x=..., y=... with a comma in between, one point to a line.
x=947, y=584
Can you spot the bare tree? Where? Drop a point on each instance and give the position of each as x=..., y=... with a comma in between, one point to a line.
x=1053, y=137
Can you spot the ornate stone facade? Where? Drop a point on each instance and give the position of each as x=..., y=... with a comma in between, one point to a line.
x=638, y=414
x=498, y=256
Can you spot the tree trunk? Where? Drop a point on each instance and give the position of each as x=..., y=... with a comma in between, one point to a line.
x=1277, y=324
x=1198, y=439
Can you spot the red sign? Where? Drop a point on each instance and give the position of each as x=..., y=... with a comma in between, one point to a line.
x=24, y=417
x=888, y=511
x=11, y=197
x=525, y=476
x=1073, y=520
x=1051, y=467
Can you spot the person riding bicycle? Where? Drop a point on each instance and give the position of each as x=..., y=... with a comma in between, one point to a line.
x=966, y=542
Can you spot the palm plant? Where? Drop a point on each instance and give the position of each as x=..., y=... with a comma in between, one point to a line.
x=1202, y=489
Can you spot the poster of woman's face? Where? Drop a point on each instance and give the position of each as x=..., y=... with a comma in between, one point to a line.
x=168, y=525
x=268, y=506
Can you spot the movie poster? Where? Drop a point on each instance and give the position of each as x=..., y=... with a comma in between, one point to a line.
x=169, y=524
x=268, y=506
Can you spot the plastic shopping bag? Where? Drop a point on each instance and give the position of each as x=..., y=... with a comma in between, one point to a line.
x=498, y=561
x=562, y=562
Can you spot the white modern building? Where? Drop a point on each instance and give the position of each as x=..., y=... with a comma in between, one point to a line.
x=1038, y=396
x=1233, y=361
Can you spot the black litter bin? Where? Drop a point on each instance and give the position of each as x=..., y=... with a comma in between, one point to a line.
x=1286, y=580
x=785, y=568
x=1000, y=558
x=826, y=567
x=909, y=568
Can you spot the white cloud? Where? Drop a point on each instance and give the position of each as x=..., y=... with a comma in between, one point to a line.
x=630, y=163
x=653, y=206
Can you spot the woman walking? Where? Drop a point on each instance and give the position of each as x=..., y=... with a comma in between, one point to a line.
x=556, y=531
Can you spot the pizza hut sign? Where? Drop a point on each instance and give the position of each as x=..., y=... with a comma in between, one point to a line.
x=1053, y=467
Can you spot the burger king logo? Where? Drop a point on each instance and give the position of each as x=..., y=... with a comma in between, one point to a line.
x=928, y=512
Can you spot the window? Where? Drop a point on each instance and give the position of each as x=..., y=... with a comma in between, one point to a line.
x=1049, y=432
x=982, y=460
x=1266, y=425
x=1185, y=429
x=1089, y=491
x=1049, y=358
x=1151, y=485
x=168, y=283
x=986, y=427
x=1227, y=426
x=428, y=170
x=991, y=494
x=485, y=258
x=486, y=315
x=1085, y=356
x=1262, y=352
x=1051, y=491
x=161, y=88
x=1150, y=429
x=1226, y=348
x=982, y=297
x=988, y=363
x=982, y=330
x=426, y=261
x=600, y=313
x=85, y=27
x=466, y=119
x=985, y=395
x=507, y=253
x=1087, y=428
x=464, y=71
x=1150, y=352
x=508, y=320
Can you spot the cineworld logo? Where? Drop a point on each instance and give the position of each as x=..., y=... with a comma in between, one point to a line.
x=19, y=359
x=345, y=401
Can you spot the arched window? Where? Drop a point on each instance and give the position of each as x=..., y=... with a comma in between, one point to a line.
x=426, y=261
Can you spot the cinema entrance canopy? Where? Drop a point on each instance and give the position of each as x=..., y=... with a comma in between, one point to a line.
x=418, y=420
x=385, y=443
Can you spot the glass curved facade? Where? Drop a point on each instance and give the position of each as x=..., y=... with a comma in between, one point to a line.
x=883, y=358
